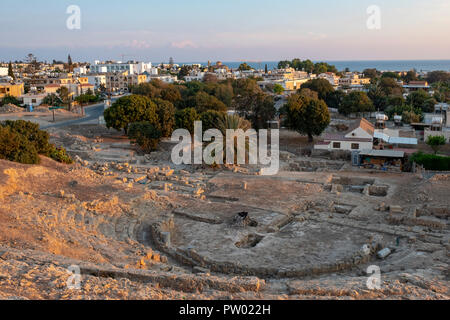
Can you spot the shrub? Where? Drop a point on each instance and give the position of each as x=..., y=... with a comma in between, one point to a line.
x=15, y=147
x=22, y=141
x=436, y=142
x=8, y=99
x=32, y=133
x=60, y=155
x=185, y=119
x=431, y=161
x=145, y=134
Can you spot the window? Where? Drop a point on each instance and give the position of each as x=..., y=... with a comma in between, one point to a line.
x=336, y=145
x=355, y=146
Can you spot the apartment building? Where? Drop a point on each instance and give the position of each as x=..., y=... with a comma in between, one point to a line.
x=353, y=79
x=119, y=67
x=123, y=81
x=97, y=80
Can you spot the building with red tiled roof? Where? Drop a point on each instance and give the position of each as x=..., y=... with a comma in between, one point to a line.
x=358, y=137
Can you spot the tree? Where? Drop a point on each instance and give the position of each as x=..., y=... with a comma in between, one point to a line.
x=436, y=142
x=266, y=69
x=356, y=102
x=10, y=71
x=69, y=63
x=263, y=110
x=410, y=76
x=252, y=103
x=210, y=119
x=145, y=134
x=146, y=89
x=204, y=102
x=390, y=86
x=131, y=109
x=185, y=119
x=371, y=73
x=278, y=88
x=420, y=99
x=306, y=116
x=436, y=76
x=166, y=114
x=64, y=94
x=52, y=100
x=244, y=67
x=171, y=93
x=322, y=86
x=308, y=93
x=391, y=75
x=335, y=98
x=184, y=71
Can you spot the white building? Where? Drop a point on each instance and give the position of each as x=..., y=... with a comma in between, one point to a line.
x=97, y=81
x=332, y=78
x=3, y=72
x=131, y=67
x=195, y=76
x=165, y=78
x=34, y=100
x=80, y=70
x=358, y=137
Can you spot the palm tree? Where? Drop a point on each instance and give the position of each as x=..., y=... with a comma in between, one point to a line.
x=234, y=122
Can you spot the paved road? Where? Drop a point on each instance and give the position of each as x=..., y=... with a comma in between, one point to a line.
x=92, y=114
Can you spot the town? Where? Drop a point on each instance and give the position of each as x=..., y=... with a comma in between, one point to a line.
x=362, y=183
x=220, y=159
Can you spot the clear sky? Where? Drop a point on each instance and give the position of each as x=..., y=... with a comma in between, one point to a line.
x=227, y=30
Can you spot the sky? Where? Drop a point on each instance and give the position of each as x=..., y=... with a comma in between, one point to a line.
x=226, y=30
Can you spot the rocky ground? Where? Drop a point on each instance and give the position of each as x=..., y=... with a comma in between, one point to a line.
x=136, y=227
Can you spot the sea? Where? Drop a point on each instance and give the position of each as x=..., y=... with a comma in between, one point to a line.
x=357, y=65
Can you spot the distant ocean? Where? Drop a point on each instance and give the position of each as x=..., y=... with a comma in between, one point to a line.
x=381, y=65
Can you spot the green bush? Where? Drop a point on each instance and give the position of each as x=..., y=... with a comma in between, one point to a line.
x=185, y=119
x=32, y=133
x=431, y=161
x=15, y=147
x=60, y=155
x=22, y=141
x=8, y=99
x=145, y=134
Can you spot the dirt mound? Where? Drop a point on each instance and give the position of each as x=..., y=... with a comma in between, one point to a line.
x=11, y=108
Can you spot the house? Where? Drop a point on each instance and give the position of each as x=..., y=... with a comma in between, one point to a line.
x=331, y=77
x=358, y=137
x=353, y=79
x=34, y=100
x=417, y=85
x=15, y=90
x=52, y=88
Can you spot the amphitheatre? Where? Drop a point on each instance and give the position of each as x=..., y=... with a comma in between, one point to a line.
x=139, y=227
